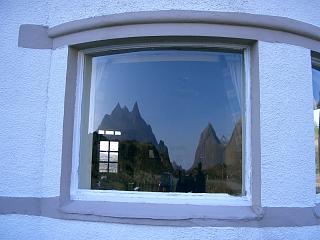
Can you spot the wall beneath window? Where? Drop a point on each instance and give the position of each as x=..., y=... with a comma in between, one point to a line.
x=31, y=109
x=28, y=227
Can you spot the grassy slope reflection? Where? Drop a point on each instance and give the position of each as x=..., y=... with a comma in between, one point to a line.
x=144, y=164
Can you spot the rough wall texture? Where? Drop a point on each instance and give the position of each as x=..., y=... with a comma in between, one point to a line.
x=54, y=123
x=287, y=151
x=31, y=109
x=23, y=97
x=304, y=10
x=28, y=227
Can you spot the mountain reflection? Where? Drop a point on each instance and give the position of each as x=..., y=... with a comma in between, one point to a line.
x=141, y=163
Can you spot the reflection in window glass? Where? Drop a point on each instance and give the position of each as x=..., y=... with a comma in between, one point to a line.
x=103, y=167
x=101, y=132
x=113, y=157
x=114, y=146
x=104, y=156
x=108, y=132
x=316, y=116
x=176, y=121
x=104, y=145
x=113, y=167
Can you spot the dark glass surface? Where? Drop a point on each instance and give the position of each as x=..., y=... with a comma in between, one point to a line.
x=167, y=121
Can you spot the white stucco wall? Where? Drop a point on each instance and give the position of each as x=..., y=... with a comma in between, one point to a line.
x=54, y=124
x=31, y=109
x=287, y=133
x=23, y=101
x=29, y=227
x=304, y=10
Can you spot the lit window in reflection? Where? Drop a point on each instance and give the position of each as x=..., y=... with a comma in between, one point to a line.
x=108, y=157
x=109, y=132
x=101, y=132
x=114, y=146
x=104, y=156
x=104, y=145
x=166, y=121
x=113, y=167
x=103, y=167
x=113, y=157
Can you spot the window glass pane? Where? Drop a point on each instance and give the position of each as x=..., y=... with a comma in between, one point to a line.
x=316, y=116
x=104, y=145
x=103, y=167
x=176, y=118
x=114, y=146
x=113, y=167
x=113, y=157
x=103, y=156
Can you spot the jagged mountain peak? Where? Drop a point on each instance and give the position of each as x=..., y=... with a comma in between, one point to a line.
x=209, y=132
x=135, y=110
x=130, y=123
x=125, y=109
x=209, y=126
x=209, y=150
x=117, y=109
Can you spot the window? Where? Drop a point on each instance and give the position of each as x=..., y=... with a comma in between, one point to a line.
x=165, y=121
x=108, y=156
x=316, y=114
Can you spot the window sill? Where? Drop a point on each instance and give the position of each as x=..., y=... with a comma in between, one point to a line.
x=161, y=210
x=162, y=198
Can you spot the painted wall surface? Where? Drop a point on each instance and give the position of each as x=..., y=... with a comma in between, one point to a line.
x=304, y=10
x=29, y=227
x=287, y=145
x=23, y=101
x=31, y=109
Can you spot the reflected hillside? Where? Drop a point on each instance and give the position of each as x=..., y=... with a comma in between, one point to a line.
x=210, y=150
x=221, y=161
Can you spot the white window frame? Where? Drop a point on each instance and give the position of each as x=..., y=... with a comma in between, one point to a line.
x=208, y=199
x=315, y=61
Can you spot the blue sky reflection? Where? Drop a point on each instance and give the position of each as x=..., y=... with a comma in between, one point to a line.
x=178, y=93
